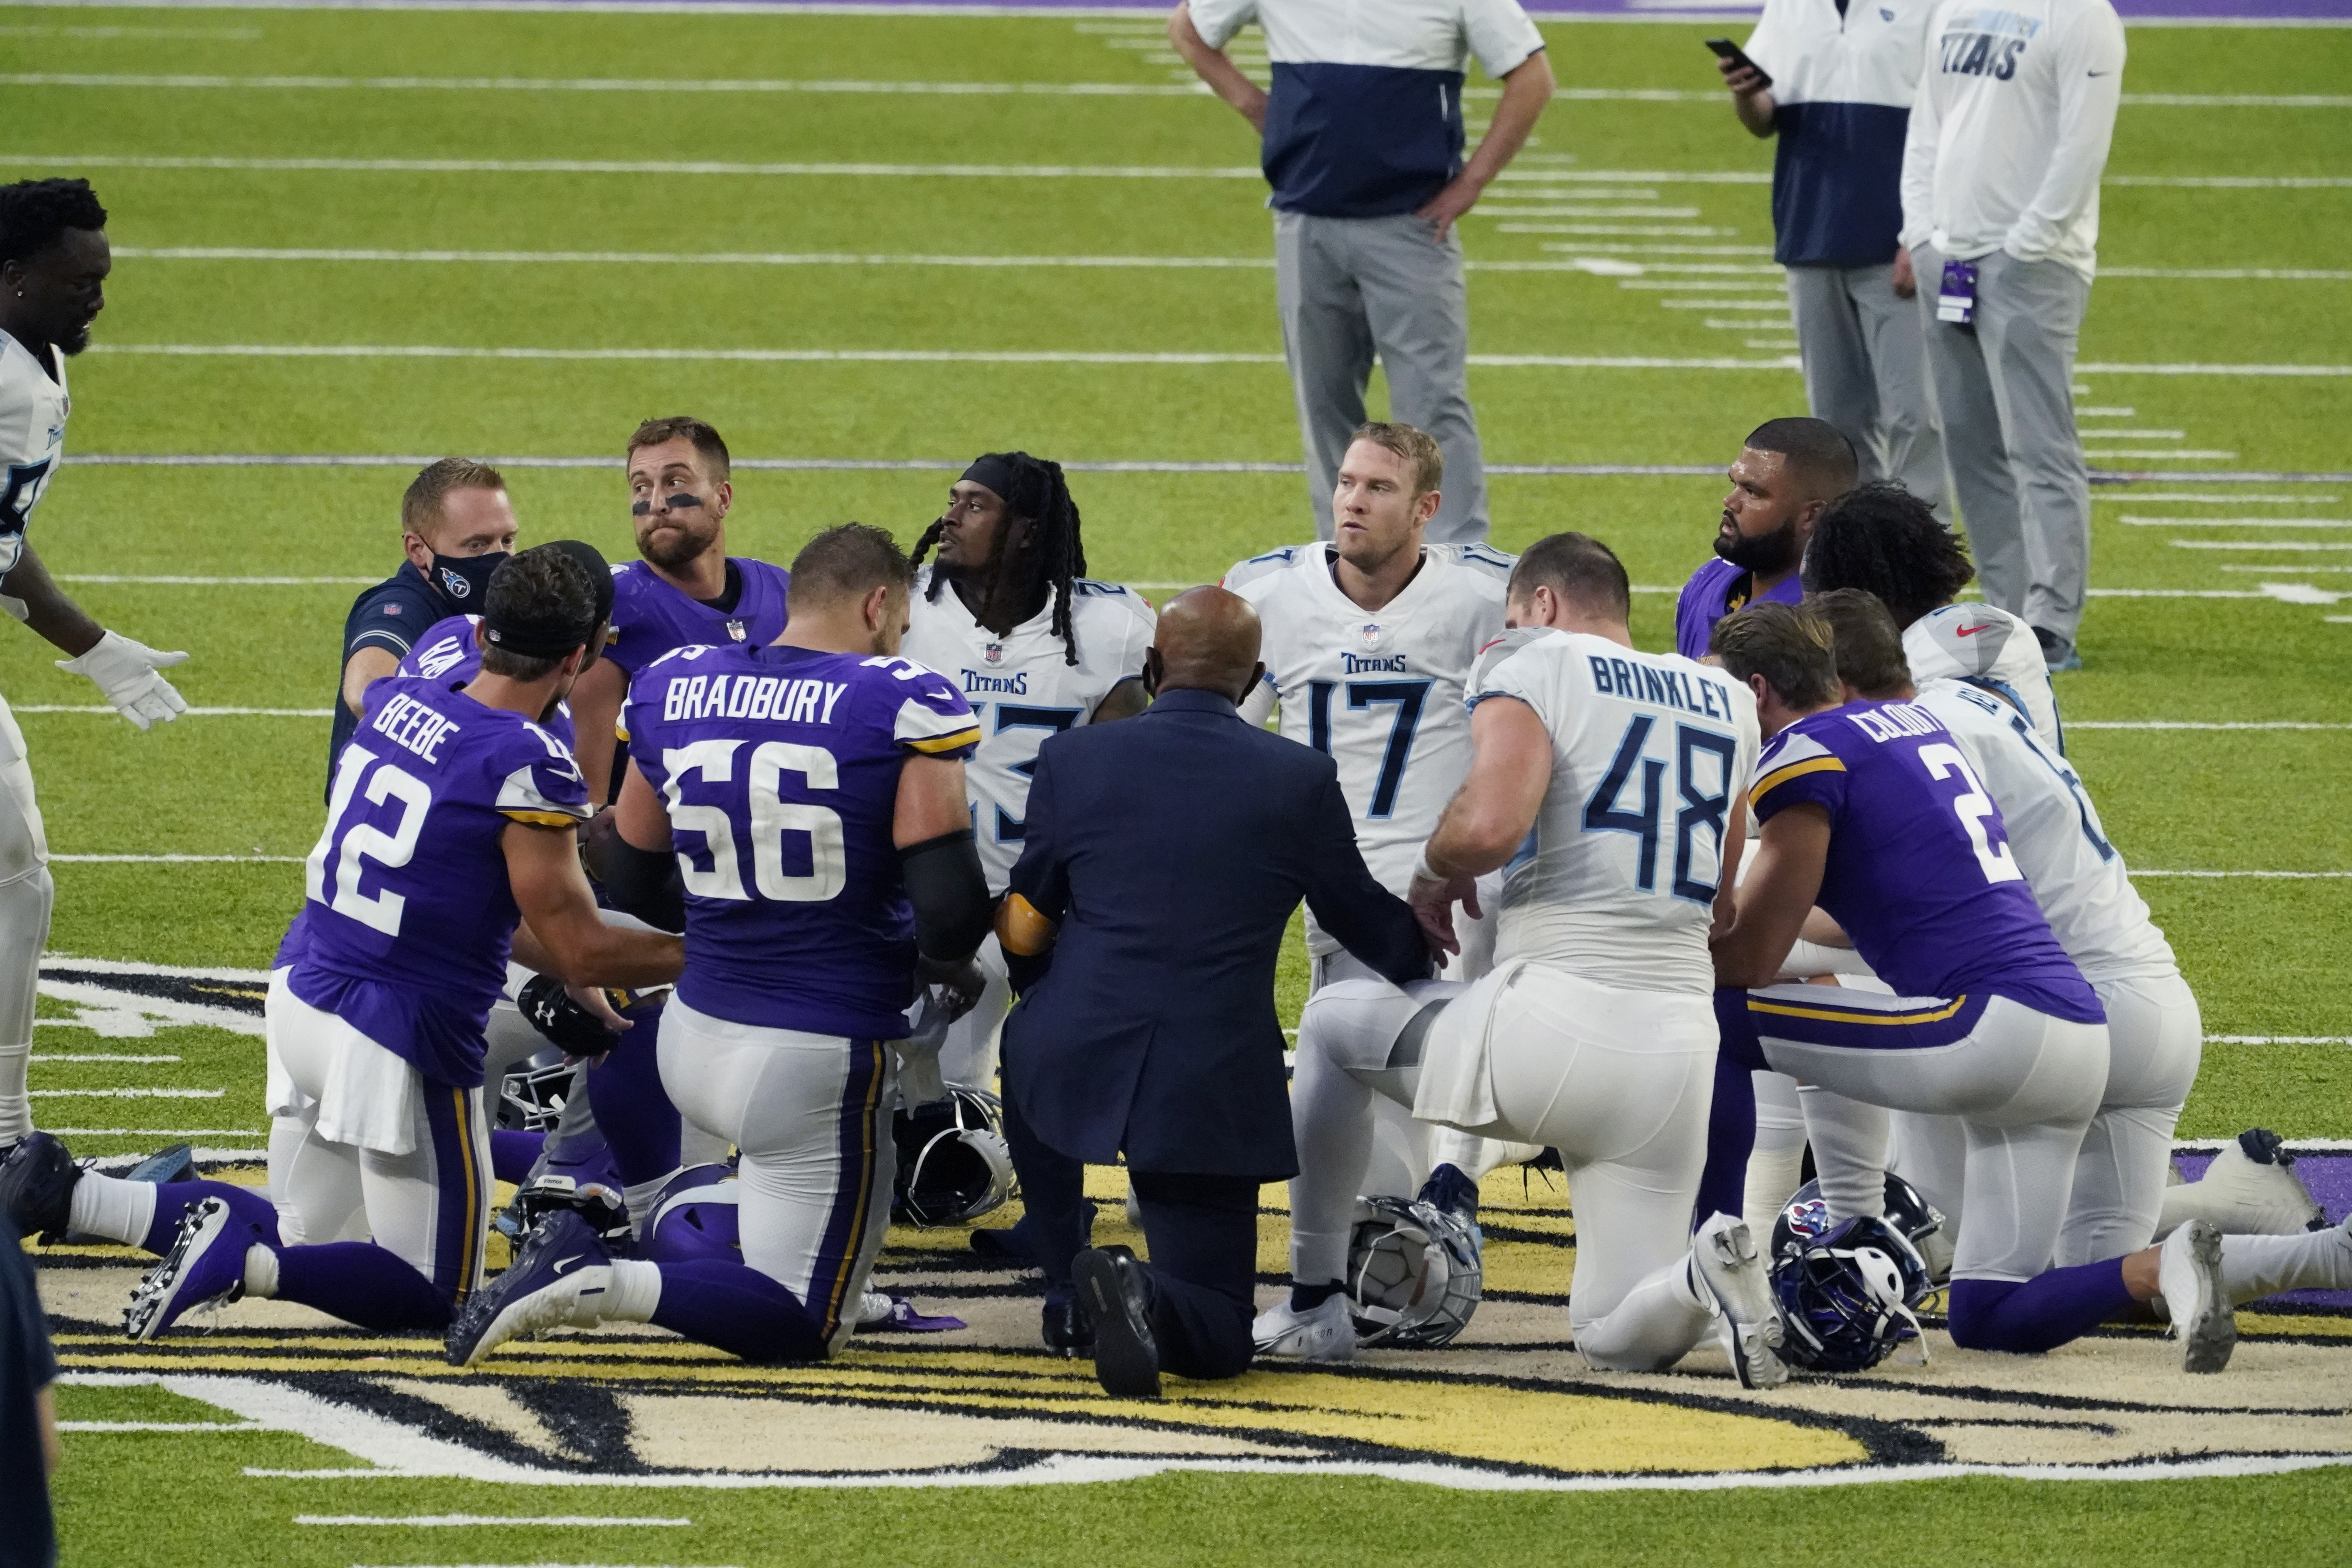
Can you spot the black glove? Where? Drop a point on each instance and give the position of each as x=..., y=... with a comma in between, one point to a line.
x=564, y=1022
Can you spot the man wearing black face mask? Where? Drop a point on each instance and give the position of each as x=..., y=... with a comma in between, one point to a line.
x=458, y=527
x=1786, y=472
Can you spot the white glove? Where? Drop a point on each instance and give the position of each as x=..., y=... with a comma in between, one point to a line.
x=125, y=671
x=919, y=1083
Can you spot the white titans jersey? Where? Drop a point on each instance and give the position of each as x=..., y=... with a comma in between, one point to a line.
x=1650, y=755
x=1022, y=689
x=2077, y=877
x=1992, y=651
x=33, y=410
x=1379, y=691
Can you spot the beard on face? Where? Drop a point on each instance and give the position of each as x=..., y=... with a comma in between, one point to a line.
x=1768, y=553
x=676, y=544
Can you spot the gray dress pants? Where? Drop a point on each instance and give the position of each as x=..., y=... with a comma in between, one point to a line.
x=2004, y=386
x=1867, y=372
x=1350, y=290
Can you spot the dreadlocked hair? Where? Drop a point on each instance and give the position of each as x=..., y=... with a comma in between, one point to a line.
x=1041, y=497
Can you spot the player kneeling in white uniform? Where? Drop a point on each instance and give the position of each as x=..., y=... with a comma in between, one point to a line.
x=2154, y=1034
x=1609, y=782
x=1007, y=613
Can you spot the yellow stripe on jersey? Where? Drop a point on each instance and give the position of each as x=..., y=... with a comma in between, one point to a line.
x=1858, y=1015
x=542, y=818
x=937, y=744
x=1794, y=770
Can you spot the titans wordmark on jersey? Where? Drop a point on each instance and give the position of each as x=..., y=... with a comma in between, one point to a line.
x=1379, y=691
x=1650, y=755
x=32, y=409
x=1022, y=688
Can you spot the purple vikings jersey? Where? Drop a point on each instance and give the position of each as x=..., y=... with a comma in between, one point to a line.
x=1714, y=591
x=779, y=770
x=1920, y=873
x=448, y=653
x=408, y=916
x=650, y=617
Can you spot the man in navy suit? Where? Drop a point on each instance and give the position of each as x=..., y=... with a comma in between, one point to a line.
x=1164, y=860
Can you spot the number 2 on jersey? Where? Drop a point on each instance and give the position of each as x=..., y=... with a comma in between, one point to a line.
x=1605, y=812
x=1975, y=810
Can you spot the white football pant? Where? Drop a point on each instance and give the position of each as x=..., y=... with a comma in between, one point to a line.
x=2022, y=1085
x=361, y=1145
x=27, y=895
x=2154, y=1040
x=812, y=1116
x=1617, y=1081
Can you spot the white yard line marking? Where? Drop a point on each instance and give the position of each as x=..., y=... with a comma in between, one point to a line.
x=126, y=1093
x=1630, y=249
x=2275, y=566
x=161, y=1426
x=2251, y=544
x=664, y=167
x=167, y=1132
x=2287, y=876
x=2105, y=413
x=2234, y=182
x=2236, y=522
x=2278, y=1039
x=2221, y=498
x=2110, y=368
x=233, y=35
x=101, y=711
x=1618, y=230
x=1772, y=303
x=2108, y=434
x=207, y=460
x=1503, y=207
x=90, y=1056
x=669, y=258
x=873, y=356
x=2109, y=453
x=466, y=1521
x=2226, y=274
x=2196, y=724
x=177, y=860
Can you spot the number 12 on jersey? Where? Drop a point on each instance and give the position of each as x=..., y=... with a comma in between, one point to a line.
x=1701, y=761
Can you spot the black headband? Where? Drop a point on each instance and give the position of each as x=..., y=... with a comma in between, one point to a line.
x=999, y=474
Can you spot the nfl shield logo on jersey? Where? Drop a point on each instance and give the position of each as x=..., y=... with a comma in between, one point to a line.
x=1370, y=633
x=735, y=630
x=994, y=653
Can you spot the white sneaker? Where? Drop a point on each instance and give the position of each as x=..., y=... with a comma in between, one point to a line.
x=2249, y=1189
x=1326, y=1333
x=1732, y=1271
x=2188, y=1277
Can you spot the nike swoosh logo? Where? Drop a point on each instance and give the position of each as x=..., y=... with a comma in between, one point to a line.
x=2102, y=73
x=1971, y=631
x=567, y=1263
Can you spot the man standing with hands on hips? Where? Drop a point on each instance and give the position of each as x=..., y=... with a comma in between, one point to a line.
x=1833, y=81
x=2001, y=213
x=1363, y=144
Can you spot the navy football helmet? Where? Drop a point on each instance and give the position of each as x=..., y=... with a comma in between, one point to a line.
x=1806, y=1217
x=695, y=1219
x=1848, y=1296
x=953, y=1165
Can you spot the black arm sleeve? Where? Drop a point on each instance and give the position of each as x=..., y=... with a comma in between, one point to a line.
x=644, y=883
x=952, y=909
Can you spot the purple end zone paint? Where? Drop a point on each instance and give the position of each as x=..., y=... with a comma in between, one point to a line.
x=2328, y=1179
x=2242, y=11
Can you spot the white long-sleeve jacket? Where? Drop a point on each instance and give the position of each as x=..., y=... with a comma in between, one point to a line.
x=2010, y=131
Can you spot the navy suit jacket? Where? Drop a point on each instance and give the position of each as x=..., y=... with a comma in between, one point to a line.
x=1172, y=849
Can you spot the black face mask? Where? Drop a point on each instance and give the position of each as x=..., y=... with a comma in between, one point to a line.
x=466, y=579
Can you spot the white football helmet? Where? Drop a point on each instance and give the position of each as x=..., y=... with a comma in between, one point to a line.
x=1413, y=1273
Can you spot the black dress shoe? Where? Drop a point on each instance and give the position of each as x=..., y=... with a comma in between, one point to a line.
x=1010, y=1245
x=1116, y=1294
x=1066, y=1325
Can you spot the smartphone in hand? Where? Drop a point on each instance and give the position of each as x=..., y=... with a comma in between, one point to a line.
x=1726, y=49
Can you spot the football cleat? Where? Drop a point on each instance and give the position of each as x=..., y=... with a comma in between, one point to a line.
x=1327, y=1333
x=2249, y=1189
x=204, y=1268
x=1451, y=1190
x=37, y=1186
x=1118, y=1296
x=1725, y=1259
x=2188, y=1277
x=562, y=1277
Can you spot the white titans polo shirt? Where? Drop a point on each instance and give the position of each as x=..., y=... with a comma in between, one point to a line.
x=1843, y=80
x=1366, y=113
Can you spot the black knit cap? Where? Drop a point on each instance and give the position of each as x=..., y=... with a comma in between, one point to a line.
x=544, y=630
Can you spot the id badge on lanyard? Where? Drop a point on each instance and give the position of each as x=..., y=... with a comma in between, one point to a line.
x=1956, y=300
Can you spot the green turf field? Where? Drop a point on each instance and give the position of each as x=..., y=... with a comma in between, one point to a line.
x=844, y=274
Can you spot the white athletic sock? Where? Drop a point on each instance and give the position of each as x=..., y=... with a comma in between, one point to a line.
x=634, y=1292
x=1848, y=1141
x=1654, y=1327
x=641, y=1199
x=260, y=1272
x=111, y=1208
x=15, y=1106
x=2256, y=1266
x=1775, y=1167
